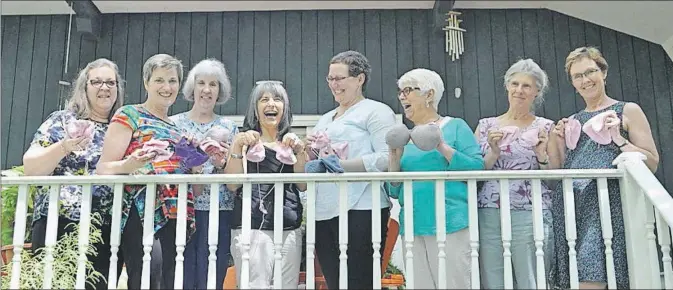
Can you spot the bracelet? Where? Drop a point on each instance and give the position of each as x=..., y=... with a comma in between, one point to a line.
x=234, y=155
x=543, y=163
x=623, y=144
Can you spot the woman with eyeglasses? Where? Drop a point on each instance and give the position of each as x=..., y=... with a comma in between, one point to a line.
x=625, y=128
x=70, y=142
x=355, y=131
x=271, y=148
x=438, y=143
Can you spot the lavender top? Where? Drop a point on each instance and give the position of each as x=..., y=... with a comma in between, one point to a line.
x=516, y=156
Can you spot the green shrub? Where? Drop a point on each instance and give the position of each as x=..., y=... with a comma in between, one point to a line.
x=10, y=195
x=64, y=266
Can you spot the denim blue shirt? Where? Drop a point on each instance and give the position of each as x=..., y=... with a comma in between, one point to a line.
x=198, y=130
x=364, y=127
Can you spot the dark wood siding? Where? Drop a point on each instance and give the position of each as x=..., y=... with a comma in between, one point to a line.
x=296, y=46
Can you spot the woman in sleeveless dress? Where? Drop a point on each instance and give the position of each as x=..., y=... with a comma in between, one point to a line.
x=630, y=132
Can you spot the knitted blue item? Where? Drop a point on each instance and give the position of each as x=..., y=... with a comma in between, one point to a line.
x=315, y=166
x=331, y=162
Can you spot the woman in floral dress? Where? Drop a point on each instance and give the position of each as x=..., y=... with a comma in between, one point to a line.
x=588, y=71
x=69, y=143
x=515, y=140
x=208, y=85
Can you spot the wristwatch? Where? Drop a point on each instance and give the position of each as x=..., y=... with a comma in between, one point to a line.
x=234, y=155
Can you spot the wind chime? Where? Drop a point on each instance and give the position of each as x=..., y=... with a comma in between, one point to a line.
x=454, y=35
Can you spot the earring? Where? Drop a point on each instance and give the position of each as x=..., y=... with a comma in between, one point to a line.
x=427, y=104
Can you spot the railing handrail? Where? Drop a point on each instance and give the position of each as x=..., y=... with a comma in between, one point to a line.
x=478, y=175
x=651, y=187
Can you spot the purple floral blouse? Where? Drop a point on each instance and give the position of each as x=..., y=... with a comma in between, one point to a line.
x=516, y=156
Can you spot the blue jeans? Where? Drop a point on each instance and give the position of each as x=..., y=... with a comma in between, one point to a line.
x=196, y=252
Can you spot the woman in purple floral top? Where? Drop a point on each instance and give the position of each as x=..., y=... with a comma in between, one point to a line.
x=515, y=140
x=69, y=143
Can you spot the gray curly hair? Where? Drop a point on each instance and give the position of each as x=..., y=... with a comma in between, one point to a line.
x=208, y=67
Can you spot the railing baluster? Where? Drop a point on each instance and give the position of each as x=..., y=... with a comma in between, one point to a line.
x=473, y=215
x=664, y=236
x=538, y=234
x=84, y=226
x=148, y=234
x=115, y=234
x=571, y=230
x=606, y=226
x=409, y=232
x=19, y=235
x=376, y=234
x=50, y=235
x=506, y=232
x=440, y=217
x=180, y=235
x=278, y=235
x=310, y=235
x=343, y=235
x=246, y=225
x=213, y=234
x=653, y=254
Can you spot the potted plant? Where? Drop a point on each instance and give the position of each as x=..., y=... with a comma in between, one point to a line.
x=10, y=195
x=64, y=265
x=393, y=277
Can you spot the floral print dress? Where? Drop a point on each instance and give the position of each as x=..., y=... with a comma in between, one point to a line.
x=76, y=163
x=517, y=156
x=145, y=127
x=199, y=130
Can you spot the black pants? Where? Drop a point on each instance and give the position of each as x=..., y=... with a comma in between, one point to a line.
x=101, y=262
x=360, y=251
x=132, y=246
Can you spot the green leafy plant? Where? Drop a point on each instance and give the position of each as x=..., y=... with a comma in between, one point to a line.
x=10, y=195
x=64, y=266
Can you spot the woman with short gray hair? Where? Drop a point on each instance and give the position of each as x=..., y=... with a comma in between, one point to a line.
x=358, y=126
x=439, y=143
x=208, y=85
x=515, y=140
x=124, y=152
x=271, y=148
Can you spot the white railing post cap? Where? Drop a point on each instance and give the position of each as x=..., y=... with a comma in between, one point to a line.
x=629, y=156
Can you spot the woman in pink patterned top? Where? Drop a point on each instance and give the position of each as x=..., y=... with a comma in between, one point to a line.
x=515, y=140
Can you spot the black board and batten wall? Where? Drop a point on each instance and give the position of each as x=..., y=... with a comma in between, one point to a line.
x=296, y=46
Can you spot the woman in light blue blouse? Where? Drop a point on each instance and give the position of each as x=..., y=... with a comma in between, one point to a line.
x=207, y=85
x=420, y=91
x=358, y=126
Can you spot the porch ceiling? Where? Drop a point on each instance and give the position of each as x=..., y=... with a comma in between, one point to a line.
x=649, y=20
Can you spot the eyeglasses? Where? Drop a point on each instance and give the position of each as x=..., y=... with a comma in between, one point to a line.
x=99, y=83
x=588, y=73
x=335, y=79
x=406, y=91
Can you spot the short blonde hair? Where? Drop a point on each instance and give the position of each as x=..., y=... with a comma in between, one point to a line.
x=591, y=53
x=161, y=61
x=79, y=102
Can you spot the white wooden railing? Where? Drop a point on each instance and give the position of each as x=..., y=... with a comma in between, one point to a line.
x=646, y=206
